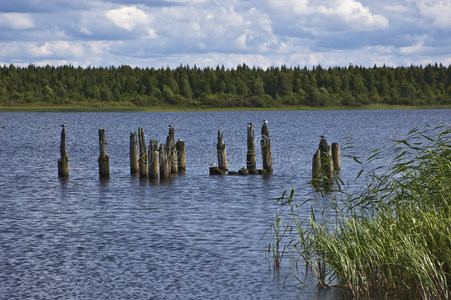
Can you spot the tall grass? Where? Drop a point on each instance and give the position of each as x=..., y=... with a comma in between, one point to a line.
x=394, y=237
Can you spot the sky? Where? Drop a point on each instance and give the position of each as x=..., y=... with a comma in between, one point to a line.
x=263, y=33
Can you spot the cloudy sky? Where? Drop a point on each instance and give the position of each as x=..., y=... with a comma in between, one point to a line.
x=161, y=33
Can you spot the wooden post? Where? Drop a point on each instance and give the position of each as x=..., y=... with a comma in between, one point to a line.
x=143, y=158
x=222, y=153
x=134, y=154
x=181, y=156
x=165, y=169
x=326, y=159
x=63, y=162
x=104, y=160
x=251, y=162
x=336, y=156
x=172, y=151
x=266, y=149
x=316, y=164
x=154, y=160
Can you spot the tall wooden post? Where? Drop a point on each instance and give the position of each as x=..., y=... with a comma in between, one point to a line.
x=63, y=162
x=134, y=154
x=251, y=161
x=316, y=164
x=165, y=169
x=181, y=156
x=104, y=160
x=326, y=159
x=172, y=151
x=143, y=158
x=221, y=152
x=266, y=149
x=336, y=156
x=154, y=157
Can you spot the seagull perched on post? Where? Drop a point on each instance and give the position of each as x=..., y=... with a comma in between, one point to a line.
x=180, y=140
x=265, y=122
x=250, y=123
x=323, y=136
x=171, y=125
x=63, y=125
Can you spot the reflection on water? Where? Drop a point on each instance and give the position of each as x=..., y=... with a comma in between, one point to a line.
x=195, y=236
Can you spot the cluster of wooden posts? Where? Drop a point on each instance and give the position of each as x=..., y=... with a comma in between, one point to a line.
x=326, y=162
x=169, y=158
x=251, y=161
x=156, y=163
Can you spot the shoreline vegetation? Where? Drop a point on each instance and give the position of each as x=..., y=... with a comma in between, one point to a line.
x=392, y=239
x=123, y=88
x=130, y=107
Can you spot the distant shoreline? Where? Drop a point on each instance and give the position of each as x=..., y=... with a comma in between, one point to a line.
x=128, y=107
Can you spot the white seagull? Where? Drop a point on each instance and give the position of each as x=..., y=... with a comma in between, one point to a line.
x=265, y=122
x=63, y=125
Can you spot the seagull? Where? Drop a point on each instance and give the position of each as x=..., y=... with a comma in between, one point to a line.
x=250, y=123
x=171, y=125
x=265, y=122
x=63, y=125
x=213, y=164
x=323, y=136
x=180, y=140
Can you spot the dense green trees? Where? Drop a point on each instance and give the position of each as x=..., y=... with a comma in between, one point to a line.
x=220, y=87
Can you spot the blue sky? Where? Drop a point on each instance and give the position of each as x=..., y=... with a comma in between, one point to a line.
x=161, y=33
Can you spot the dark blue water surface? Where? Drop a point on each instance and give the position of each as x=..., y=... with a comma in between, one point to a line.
x=194, y=237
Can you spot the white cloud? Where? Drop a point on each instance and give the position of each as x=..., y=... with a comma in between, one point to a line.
x=414, y=49
x=56, y=49
x=202, y=32
x=438, y=10
x=128, y=17
x=355, y=14
x=16, y=21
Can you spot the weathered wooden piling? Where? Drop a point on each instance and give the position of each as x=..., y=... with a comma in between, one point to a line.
x=221, y=152
x=327, y=165
x=154, y=160
x=316, y=164
x=265, y=144
x=134, y=154
x=251, y=161
x=143, y=158
x=172, y=151
x=165, y=168
x=336, y=156
x=63, y=162
x=103, y=160
x=181, y=156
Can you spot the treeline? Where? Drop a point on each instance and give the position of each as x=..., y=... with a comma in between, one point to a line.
x=220, y=87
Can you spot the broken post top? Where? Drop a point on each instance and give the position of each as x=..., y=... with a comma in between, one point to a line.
x=102, y=142
x=220, y=138
x=142, y=141
x=170, y=141
x=323, y=146
x=265, y=141
x=153, y=145
x=265, y=130
x=63, y=142
x=250, y=133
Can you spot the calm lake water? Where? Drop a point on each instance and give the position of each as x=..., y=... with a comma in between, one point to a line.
x=194, y=237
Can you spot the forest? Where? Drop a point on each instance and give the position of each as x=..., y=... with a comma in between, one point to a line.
x=219, y=87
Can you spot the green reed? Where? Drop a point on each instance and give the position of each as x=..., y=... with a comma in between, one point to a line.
x=393, y=237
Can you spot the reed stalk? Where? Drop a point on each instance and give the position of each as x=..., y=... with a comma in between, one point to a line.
x=394, y=238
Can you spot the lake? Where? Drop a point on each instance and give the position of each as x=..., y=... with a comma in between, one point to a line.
x=197, y=236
